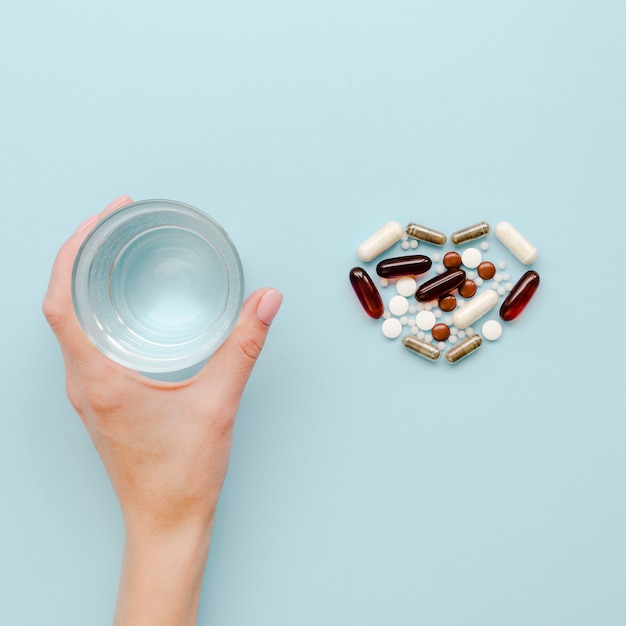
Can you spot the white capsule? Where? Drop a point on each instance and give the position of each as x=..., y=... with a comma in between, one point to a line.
x=380, y=241
x=516, y=243
x=475, y=308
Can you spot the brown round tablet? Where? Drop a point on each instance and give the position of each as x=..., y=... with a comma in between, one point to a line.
x=440, y=332
x=447, y=303
x=451, y=259
x=486, y=270
x=468, y=288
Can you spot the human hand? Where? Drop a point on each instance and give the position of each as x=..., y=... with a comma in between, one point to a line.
x=165, y=446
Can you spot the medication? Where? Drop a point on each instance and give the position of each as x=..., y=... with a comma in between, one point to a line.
x=366, y=292
x=517, y=244
x=440, y=285
x=471, y=257
x=425, y=234
x=425, y=320
x=423, y=348
x=392, y=328
x=447, y=303
x=470, y=233
x=380, y=241
x=410, y=265
x=463, y=348
x=475, y=309
x=519, y=296
x=440, y=332
x=468, y=288
x=492, y=330
x=486, y=270
x=452, y=259
x=406, y=286
x=398, y=305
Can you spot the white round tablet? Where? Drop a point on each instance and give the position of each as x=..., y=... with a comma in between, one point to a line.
x=398, y=305
x=492, y=330
x=392, y=328
x=406, y=286
x=471, y=257
x=425, y=320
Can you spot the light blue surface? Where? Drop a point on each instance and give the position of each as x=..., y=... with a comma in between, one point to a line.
x=366, y=487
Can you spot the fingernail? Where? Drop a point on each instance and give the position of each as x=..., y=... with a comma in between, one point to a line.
x=90, y=221
x=268, y=306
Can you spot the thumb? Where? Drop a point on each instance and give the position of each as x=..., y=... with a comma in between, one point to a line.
x=232, y=363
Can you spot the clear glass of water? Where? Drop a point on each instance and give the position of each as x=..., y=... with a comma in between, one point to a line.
x=157, y=286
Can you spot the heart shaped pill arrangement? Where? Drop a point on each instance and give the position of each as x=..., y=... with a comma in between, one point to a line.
x=438, y=312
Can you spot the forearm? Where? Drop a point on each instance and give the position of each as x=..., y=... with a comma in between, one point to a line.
x=161, y=576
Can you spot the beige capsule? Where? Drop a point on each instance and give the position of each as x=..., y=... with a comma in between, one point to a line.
x=470, y=233
x=461, y=350
x=423, y=348
x=426, y=234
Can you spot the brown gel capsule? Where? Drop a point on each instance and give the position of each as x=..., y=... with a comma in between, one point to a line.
x=519, y=296
x=425, y=234
x=447, y=303
x=404, y=266
x=452, y=259
x=440, y=285
x=461, y=350
x=366, y=292
x=486, y=270
x=467, y=289
x=440, y=332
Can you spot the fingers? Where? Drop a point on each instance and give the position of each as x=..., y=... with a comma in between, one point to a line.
x=57, y=304
x=230, y=367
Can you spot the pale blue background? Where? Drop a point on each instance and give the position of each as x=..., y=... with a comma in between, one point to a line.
x=366, y=487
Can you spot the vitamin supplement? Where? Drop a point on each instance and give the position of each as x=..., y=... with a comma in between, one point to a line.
x=406, y=286
x=404, y=266
x=405, y=245
x=516, y=243
x=463, y=348
x=425, y=234
x=413, y=243
x=471, y=257
x=452, y=259
x=392, y=328
x=423, y=348
x=468, y=288
x=366, y=292
x=470, y=233
x=486, y=270
x=447, y=303
x=384, y=282
x=492, y=330
x=440, y=332
x=380, y=241
x=440, y=285
x=475, y=309
x=398, y=305
x=520, y=296
x=425, y=320
x=484, y=245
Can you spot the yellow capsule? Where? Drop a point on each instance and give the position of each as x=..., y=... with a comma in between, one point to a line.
x=423, y=348
x=470, y=233
x=461, y=350
x=425, y=234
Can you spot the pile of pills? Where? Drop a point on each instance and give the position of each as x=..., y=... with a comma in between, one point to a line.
x=440, y=311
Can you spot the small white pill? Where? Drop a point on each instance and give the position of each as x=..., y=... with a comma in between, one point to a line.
x=414, y=329
x=441, y=345
x=404, y=320
x=392, y=328
x=425, y=320
x=406, y=286
x=452, y=339
x=384, y=282
x=471, y=276
x=380, y=241
x=469, y=331
x=461, y=334
x=471, y=257
x=501, y=264
x=420, y=334
x=508, y=286
x=413, y=308
x=492, y=330
x=497, y=278
x=405, y=245
x=440, y=269
x=454, y=330
x=484, y=246
x=438, y=313
x=404, y=236
x=413, y=243
x=506, y=276
x=516, y=243
x=386, y=315
x=436, y=257
x=501, y=291
x=411, y=321
x=398, y=305
x=478, y=280
x=475, y=308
